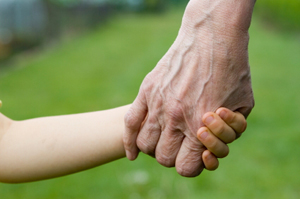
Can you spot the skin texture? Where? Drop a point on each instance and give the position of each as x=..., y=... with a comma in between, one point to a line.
x=216, y=135
x=206, y=67
x=49, y=147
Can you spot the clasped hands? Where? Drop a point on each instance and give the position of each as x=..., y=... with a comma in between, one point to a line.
x=203, y=70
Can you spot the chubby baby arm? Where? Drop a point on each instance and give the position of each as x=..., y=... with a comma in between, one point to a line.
x=222, y=128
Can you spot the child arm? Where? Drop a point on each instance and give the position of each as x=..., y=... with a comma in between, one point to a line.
x=49, y=147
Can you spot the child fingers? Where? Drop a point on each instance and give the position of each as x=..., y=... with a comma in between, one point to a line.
x=210, y=161
x=234, y=119
x=219, y=128
x=212, y=143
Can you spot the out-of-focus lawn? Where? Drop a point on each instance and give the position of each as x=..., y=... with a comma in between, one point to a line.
x=104, y=69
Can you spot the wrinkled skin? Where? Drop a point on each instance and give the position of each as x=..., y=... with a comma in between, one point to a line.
x=205, y=68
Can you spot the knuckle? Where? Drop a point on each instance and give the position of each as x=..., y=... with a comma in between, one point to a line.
x=211, y=143
x=219, y=131
x=153, y=122
x=164, y=160
x=148, y=137
x=174, y=131
x=232, y=118
x=224, y=134
x=145, y=146
x=191, y=163
x=176, y=113
x=127, y=142
x=130, y=119
x=148, y=83
x=188, y=171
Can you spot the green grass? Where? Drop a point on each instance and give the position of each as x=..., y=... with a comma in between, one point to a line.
x=104, y=68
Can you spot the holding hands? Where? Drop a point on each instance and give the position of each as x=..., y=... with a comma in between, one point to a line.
x=175, y=117
x=206, y=68
x=222, y=128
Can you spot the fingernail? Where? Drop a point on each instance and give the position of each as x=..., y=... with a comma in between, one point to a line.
x=203, y=135
x=209, y=119
x=223, y=114
x=210, y=156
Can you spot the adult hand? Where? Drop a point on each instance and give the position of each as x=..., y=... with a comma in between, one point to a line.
x=206, y=68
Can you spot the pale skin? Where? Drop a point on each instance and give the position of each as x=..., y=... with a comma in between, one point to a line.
x=206, y=67
x=49, y=147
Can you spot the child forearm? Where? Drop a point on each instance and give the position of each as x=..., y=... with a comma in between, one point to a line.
x=49, y=147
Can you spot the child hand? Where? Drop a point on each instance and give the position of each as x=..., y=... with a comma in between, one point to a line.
x=222, y=127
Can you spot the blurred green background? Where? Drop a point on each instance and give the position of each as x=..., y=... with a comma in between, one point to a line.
x=103, y=67
x=284, y=13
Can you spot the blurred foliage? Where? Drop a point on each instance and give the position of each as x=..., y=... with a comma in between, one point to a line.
x=134, y=5
x=25, y=25
x=155, y=5
x=285, y=13
x=179, y=1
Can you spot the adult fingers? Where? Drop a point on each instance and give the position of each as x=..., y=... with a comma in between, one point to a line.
x=149, y=135
x=133, y=120
x=210, y=161
x=168, y=146
x=219, y=128
x=189, y=158
x=234, y=119
x=212, y=143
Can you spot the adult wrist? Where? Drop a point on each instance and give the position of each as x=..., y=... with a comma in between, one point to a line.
x=226, y=16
